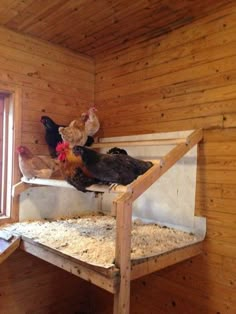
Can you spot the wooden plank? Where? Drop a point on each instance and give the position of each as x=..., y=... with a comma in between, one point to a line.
x=140, y=58
x=188, y=124
x=207, y=190
x=229, y=191
x=210, y=25
x=171, y=141
x=218, y=136
x=230, y=120
x=8, y=247
x=140, y=33
x=45, y=49
x=38, y=66
x=218, y=149
x=223, y=234
x=216, y=176
x=152, y=264
x=49, y=255
x=145, y=181
x=217, y=218
x=160, y=112
x=217, y=205
x=219, y=247
x=26, y=183
x=122, y=252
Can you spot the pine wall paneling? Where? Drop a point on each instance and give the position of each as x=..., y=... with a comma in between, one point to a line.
x=92, y=27
x=55, y=82
x=30, y=285
x=183, y=80
x=1, y=131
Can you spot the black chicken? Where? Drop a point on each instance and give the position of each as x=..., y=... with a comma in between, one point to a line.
x=112, y=168
x=53, y=137
x=117, y=150
x=80, y=181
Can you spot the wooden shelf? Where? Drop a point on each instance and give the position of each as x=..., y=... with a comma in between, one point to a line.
x=26, y=183
x=170, y=141
x=8, y=244
x=117, y=279
x=108, y=278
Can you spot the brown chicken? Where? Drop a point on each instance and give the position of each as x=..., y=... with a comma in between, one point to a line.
x=73, y=169
x=32, y=166
x=75, y=134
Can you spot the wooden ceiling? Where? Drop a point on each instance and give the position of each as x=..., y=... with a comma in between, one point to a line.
x=95, y=26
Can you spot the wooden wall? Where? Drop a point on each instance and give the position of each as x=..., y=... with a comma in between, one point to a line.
x=184, y=80
x=53, y=81
x=1, y=131
x=29, y=285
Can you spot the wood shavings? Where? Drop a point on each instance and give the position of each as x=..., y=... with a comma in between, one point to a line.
x=92, y=238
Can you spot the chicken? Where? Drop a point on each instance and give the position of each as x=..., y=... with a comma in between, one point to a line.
x=117, y=150
x=91, y=122
x=32, y=166
x=73, y=170
x=112, y=168
x=52, y=136
x=75, y=134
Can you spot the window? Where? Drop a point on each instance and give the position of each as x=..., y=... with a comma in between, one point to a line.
x=9, y=139
x=6, y=152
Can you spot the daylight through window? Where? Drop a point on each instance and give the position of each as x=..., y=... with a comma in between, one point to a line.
x=6, y=152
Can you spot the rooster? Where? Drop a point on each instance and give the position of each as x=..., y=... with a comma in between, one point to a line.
x=91, y=122
x=112, y=168
x=73, y=169
x=32, y=166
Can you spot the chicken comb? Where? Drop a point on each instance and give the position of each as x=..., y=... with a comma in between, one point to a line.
x=61, y=149
x=93, y=108
x=62, y=146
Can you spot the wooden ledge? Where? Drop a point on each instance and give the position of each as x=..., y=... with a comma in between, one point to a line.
x=170, y=141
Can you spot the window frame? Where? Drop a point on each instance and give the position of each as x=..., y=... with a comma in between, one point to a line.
x=14, y=97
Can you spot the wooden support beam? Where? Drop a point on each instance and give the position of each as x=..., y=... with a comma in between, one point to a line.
x=155, y=172
x=123, y=247
x=60, y=260
x=26, y=183
x=8, y=247
x=170, y=141
x=18, y=188
x=149, y=265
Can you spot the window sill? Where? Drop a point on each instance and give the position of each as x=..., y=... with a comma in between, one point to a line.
x=5, y=219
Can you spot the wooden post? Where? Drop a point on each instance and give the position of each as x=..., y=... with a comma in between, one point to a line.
x=123, y=247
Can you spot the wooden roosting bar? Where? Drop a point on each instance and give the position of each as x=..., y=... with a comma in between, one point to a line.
x=116, y=279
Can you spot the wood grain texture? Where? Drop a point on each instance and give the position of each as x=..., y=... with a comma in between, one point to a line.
x=145, y=83
x=50, y=79
x=93, y=27
x=30, y=285
x=183, y=80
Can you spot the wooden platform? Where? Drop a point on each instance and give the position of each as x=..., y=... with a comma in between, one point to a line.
x=116, y=279
x=108, y=277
